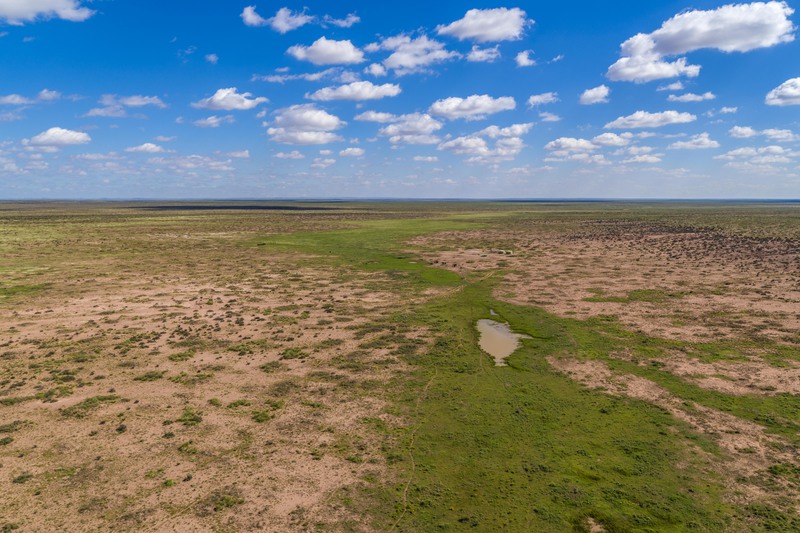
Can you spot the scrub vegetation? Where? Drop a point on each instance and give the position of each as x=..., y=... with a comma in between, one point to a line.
x=316, y=367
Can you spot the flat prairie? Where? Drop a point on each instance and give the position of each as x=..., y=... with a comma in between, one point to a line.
x=315, y=366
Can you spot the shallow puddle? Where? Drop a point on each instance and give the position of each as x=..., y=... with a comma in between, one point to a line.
x=498, y=340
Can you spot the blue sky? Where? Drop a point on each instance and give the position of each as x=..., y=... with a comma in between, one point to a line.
x=201, y=99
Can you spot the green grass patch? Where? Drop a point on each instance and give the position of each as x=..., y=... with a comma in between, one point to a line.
x=82, y=409
x=11, y=291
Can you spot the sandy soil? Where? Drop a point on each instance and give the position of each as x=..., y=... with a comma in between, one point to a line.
x=157, y=346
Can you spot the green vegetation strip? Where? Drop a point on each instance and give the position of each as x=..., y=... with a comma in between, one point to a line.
x=523, y=448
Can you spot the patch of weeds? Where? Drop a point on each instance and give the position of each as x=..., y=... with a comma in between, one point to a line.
x=272, y=366
x=252, y=346
x=168, y=483
x=637, y=295
x=5, y=441
x=152, y=375
x=7, y=291
x=216, y=402
x=294, y=353
x=8, y=402
x=787, y=471
x=82, y=357
x=95, y=504
x=16, y=425
x=220, y=500
x=181, y=356
x=50, y=395
x=191, y=379
x=283, y=388
x=773, y=519
x=153, y=474
x=22, y=478
x=238, y=403
x=188, y=447
x=262, y=416
x=327, y=344
x=80, y=410
x=265, y=415
x=190, y=417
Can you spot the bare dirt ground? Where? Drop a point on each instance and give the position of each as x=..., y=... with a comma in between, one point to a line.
x=164, y=393
x=704, y=284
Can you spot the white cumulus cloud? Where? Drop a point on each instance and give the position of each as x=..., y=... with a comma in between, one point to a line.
x=691, y=97
x=570, y=144
x=596, y=95
x=58, y=137
x=328, y=52
x=548, y=117
x=701, y=141
x=322, y=163
x=773, y=134
x=141, y=101
x=45, y=95
x=376, y=69
x=413, y=128
x=229, y=100
x=114, y=106
x=514, y=130
x=285, y=20
x=376, y=116
x=787, y=93
x=729, y=28
x=742, y=132
x=412, y=55
x=473, y=107
x=484, y=25
x=484, y=55
x=675, y=86
x=305, y=124
x=350, y=20
x=18, y=12
x=294, y=154
x=611, y=139
x=147, y=148
x=15, y=99
x=543, y=98
x=357, y=91
x=352, y=152
x=214, y=121
x=524, y=59
x=251, y=18
x=643, y=158
x=644, y=119
x=508, y=144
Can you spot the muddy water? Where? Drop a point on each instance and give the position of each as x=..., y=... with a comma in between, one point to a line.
x=498, y=340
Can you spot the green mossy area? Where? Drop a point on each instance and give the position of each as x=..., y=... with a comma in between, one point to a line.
x=522, y=447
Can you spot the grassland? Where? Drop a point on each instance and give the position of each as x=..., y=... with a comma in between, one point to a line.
x=277, y=367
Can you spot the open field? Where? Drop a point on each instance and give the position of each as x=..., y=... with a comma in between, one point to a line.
x=315, y=367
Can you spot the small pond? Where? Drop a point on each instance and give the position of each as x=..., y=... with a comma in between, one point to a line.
x=498, y=340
